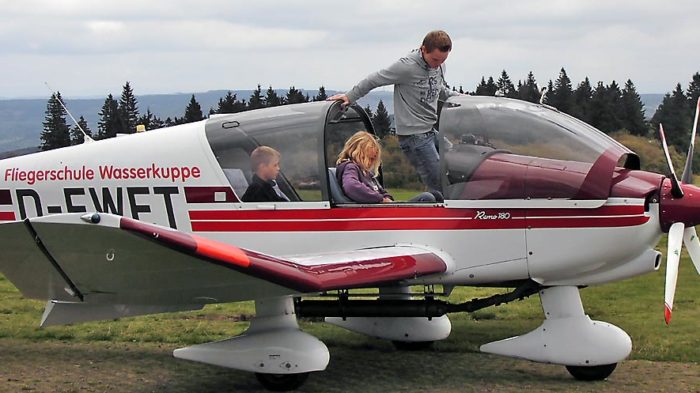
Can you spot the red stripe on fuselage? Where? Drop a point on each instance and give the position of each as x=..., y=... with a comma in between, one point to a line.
x=209, y=194
x=7, y=216
x=412, y=218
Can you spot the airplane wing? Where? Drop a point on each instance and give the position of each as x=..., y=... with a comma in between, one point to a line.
x=99, y=266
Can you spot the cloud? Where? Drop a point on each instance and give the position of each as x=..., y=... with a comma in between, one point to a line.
x=180, y=45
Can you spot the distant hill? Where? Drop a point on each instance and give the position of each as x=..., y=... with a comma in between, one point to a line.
x=21, y=119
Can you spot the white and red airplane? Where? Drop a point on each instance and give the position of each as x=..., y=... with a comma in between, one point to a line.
x=535, y=200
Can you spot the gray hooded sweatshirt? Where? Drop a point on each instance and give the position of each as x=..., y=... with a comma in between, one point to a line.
x=416, y=91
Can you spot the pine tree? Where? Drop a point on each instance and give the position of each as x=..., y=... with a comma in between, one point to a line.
x=321, y=96
x=599, y=106
x=606, y=110
x=272, y=99
x=110, y=121
x=256, y=100
x=528, y=91
x=76, y=136
x=295, y=96
x=693, y=91
x=56, y=133
x=381, y=120
x=633, y=110
x=548, y=97
x=461, y=90
x=505, y=87
x=582, y=100
x=486, y=88
x=368, y=111
x=230, y=104
x=674, y=113
x=128, y=109
x=562, y=96
x=150, y=121
x=226, y=104
x=617, y=111
x=193, y=112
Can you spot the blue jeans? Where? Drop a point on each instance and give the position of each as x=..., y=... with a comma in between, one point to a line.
x=424, y=197
x=422, y=152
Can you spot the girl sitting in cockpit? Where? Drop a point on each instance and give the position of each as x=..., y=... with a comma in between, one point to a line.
x=357, y=168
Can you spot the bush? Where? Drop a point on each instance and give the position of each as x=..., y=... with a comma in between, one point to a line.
x=397, y=170
x=650, y=152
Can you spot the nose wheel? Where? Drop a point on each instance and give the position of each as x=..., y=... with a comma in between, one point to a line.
x=591, y=373
x=281, y=382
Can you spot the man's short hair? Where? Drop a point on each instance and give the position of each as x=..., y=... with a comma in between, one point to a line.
x=437, y=39
x=262, y=155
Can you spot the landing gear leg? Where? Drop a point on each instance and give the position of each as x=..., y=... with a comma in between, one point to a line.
x=589, y=349
x=273, y=347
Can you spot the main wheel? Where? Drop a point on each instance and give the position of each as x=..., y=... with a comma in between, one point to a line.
x=281, y=382
x=591, y=373
x=412, y=345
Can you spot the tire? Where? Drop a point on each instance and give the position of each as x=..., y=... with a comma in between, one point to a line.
x=413, y=345
x=591, y=373
x=281, y=382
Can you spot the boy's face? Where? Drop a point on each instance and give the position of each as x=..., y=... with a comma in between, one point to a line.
x=434, y=58
x=269, y=171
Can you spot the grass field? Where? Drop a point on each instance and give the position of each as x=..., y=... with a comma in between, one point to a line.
x=134, y=354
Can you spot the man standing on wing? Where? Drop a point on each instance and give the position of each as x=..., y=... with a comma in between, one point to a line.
x=419, y=80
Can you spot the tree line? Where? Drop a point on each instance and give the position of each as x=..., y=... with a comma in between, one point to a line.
x=608, y=107
x=122, y=116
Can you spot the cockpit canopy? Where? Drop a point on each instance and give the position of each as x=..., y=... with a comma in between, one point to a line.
x=490, y=148
x=497, y=148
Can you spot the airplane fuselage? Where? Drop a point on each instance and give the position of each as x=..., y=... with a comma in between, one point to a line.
x=170, y=177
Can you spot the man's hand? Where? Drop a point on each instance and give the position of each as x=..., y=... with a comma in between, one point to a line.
x=340, y=97
x=387, y=200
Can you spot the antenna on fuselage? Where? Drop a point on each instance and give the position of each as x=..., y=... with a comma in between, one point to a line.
x=86, y=137
x=543, y=94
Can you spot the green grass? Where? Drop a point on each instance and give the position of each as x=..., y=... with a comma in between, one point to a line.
x=636, y=305
x=403, y=194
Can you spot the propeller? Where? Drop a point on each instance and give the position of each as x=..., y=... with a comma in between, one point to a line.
x=676, y=189
x=678, y=234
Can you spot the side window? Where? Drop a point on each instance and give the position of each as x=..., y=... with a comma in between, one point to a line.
x=236, y=166
x=233, y=139
x=298, y=146
x=341, y=126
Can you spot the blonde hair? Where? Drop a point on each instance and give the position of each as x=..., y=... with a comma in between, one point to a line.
x=262, y=155
x=357, y=149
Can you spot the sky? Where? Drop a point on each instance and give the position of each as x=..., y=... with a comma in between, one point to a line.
x=88, y=48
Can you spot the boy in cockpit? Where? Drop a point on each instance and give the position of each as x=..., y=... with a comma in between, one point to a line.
x=266, y=167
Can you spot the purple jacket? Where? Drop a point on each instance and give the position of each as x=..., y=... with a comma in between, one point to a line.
x=358, y=186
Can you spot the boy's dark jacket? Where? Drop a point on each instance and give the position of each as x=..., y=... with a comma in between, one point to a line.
x=261, y=191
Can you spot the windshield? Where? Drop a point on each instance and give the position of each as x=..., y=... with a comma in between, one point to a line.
x=496, y=148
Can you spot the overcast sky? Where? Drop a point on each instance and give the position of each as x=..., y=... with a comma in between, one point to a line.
x=89, y=48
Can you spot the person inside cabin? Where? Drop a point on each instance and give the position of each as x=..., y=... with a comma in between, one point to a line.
x=265, y=162
x=357, y=169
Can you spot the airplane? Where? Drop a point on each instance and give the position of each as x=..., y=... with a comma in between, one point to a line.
x=535, y=202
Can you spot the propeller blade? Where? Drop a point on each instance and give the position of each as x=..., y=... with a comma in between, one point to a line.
x=692, y=244
x=675, y=241
x=676, y=190
x=687, y=176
